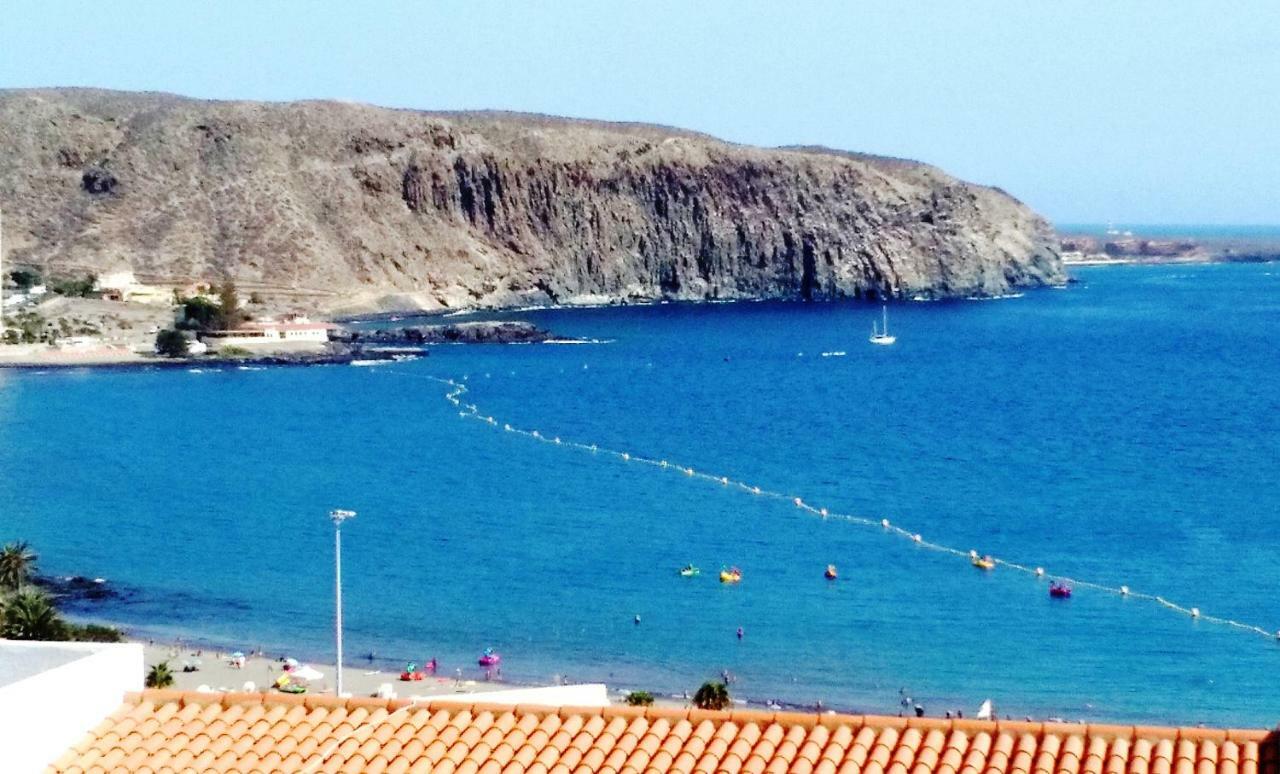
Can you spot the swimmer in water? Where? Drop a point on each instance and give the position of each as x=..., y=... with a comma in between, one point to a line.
x=739, y=632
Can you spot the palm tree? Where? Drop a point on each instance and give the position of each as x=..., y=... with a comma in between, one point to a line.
x=17, y=563
x=29, y=615
x=159, y=676
x=712, y=696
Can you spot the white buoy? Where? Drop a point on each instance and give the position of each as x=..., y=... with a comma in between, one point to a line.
x=884, y=523
x=724, y=480
x=973, y=554
x=557, y=439
x=507, y=428
x=799, y=503
x=823, y=512
x=593, y=447
x=916, y=537
x=688, y=471
x=626, y=456
x=1195, y=612
x=1039, y=572
x=755, y=490
x=1124, y=591
x=535, y=434
x=663, y=463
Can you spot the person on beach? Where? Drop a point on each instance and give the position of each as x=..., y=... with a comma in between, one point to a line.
x=431, y=666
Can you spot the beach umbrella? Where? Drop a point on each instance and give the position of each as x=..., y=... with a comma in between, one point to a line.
x=307, y=672
x=291, y=664
x=985, y=711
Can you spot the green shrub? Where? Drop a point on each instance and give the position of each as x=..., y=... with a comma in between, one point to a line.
x=25, y=278
x=94, y=633
x=203, y=314
x=639, y=699
x=81, y=287
x=171, y=343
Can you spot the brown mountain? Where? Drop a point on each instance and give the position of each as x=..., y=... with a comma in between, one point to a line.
x=367, y=207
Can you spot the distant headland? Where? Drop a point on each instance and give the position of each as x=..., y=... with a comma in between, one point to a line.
x=345, y=208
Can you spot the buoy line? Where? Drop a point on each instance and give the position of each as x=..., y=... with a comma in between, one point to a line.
x=472, y=411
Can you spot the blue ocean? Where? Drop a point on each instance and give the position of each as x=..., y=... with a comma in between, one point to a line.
x=1122, y=431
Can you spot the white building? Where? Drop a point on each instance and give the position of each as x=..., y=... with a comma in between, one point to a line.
x=270, y=333
x=53, y=693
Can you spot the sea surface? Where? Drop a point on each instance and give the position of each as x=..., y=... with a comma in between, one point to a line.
x=1124, y=430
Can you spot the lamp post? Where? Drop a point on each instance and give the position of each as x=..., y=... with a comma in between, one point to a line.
x=338, y=516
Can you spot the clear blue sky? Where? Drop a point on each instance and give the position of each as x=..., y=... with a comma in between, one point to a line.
x=1148, y=112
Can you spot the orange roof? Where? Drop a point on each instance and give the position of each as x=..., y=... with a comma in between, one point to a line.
x=175, y=731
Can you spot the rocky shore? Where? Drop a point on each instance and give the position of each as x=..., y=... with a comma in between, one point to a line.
x=346, y=345
x=508, y=332
x=331, y=354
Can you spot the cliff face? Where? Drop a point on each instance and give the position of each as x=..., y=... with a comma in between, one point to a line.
x=375, y=208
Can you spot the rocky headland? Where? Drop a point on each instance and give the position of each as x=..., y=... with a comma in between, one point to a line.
x=1083, y=249
x=341, y=207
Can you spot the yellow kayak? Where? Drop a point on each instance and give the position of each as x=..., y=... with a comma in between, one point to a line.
x=730, y=576
x=985, y=563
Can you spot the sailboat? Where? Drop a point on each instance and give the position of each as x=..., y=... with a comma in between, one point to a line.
x=882, y=336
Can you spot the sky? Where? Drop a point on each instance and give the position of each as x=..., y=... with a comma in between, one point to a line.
x=1091, y=112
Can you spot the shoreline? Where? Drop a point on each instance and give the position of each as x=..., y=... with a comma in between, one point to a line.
x=364, y=677
x=405, y=315
x=278, y=360
x=216, y=674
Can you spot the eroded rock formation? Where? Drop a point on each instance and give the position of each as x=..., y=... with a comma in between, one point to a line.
x=372, y=208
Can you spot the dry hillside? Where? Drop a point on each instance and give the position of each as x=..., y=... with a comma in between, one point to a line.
x=375, y=208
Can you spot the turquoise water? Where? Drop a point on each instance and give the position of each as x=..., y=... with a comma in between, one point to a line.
x=1124, y=430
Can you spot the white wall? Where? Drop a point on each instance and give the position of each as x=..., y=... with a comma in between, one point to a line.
x=43, y=715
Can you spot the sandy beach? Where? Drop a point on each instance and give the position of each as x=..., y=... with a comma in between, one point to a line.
x=216, y=672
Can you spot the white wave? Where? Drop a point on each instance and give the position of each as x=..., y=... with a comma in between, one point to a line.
x=1001, y=297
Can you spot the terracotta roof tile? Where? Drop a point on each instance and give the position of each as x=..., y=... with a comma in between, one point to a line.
x=175, y=731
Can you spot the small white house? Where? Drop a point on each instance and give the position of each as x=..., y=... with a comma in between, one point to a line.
x=268, y=333
x=116, y=280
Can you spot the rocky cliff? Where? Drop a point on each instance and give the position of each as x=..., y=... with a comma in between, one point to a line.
x=365, y=207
